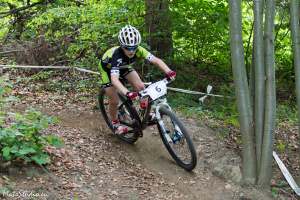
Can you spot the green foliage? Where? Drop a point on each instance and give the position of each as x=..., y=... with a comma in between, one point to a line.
x=182, y=100
x=280, y=146
x=223, y=109
x=20, y=134
x=200, y=31
x=41, y=76
x=80, y=31
x=22, y=138
x=86, y=30
x=287, y=113
x=275, y=191
x=4, y=29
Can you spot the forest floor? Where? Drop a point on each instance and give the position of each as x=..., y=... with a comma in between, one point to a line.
x=94, y=164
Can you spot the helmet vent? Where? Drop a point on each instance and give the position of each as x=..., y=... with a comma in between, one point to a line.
x=129, y=36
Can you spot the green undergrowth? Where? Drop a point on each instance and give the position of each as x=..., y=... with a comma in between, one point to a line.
x=221, y=115
x=224, y=110
x=59, y=81
x=21, y=134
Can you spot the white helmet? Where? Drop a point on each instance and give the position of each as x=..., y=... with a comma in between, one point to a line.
x=129, y=36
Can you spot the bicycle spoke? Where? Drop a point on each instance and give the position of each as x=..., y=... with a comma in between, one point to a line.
x=179, y=145
x=176, y=140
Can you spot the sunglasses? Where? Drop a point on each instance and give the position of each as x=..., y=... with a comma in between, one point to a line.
x=130, y=48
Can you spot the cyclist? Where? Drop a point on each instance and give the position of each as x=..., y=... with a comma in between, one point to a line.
x=117, y=63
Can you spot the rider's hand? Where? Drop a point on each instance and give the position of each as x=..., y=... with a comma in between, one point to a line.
x=132, y=95
x=171, y=75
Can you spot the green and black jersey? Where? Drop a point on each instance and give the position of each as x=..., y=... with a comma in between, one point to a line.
x=114, y=61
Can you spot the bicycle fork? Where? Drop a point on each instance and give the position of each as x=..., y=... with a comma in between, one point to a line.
x=160, y=121
x=177, y=135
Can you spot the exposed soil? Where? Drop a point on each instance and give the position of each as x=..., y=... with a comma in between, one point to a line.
x=94, y=164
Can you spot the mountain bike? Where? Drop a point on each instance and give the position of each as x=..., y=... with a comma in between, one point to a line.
x=172, y=131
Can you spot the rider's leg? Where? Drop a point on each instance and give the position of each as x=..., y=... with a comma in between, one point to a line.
x=138, y=85
x=112, y=94
x=113, y=101
x=110, y=91
x=135, y=80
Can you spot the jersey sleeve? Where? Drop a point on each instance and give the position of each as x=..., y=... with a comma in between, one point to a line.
x=115, y=65
x=143, y=53
x=107, y=57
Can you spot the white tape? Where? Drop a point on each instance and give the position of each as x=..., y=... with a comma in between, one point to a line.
x=197, y=93
x=287, y=174
x=34, y=67
x=87, y=71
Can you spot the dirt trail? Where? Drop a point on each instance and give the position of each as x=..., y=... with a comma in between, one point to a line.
x=100, y=166
x=95, y=165
x=149, y=153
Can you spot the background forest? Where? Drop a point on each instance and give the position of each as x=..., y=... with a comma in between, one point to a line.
x=192, y=36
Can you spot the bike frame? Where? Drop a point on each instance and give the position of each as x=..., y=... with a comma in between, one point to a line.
x=153, y=105
x=143, y=115
x=156, y=94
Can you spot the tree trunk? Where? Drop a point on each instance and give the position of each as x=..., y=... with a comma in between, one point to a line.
x=265, y=172
x=252, y=82
x=242, y=91
x=295, y=32
x=248, y=63
x=259, y=94
x=158, y=27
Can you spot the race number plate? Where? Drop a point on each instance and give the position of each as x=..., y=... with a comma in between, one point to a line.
x=156, y=90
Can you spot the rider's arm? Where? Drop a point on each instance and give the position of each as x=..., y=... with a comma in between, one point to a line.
x=115, y=75
x=161, y=64
x=142, y=52
x=117, y=83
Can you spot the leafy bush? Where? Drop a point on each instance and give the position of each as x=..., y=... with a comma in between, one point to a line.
x=20, y=134
x=287, y=113
x=22, y=137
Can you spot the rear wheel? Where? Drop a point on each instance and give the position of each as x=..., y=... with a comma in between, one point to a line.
x=126, y=114
x=176, y=139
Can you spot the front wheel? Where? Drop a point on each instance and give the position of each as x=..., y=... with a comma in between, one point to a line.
x=176, y=139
